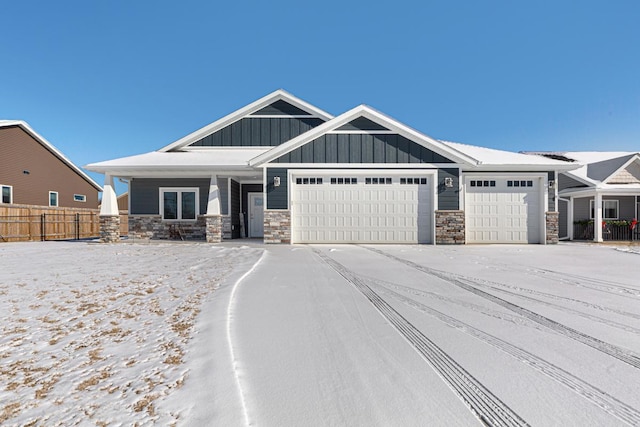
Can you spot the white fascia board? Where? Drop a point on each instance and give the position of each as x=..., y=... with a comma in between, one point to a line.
x=375, y=116
x=49, y=146
x=624, y=166
x=517, y=168
x=279, y=94
x=370, y=166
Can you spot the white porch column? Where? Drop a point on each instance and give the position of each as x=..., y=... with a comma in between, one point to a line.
x=213, y=204
x=570, y=218
x=109, y=199
x=597, y=218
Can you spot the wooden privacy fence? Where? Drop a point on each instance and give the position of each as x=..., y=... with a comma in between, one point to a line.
x=20, y=223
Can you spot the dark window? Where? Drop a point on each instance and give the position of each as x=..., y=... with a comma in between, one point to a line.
x=298, y=180
x=305, y=180
x=387, y=181
x=423, y=181
x=367, y=180
x=333, y=180
x=403, y=180
x=318, y=180
x=509, y=183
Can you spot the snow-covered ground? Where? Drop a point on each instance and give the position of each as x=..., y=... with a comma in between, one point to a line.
x=280, y=335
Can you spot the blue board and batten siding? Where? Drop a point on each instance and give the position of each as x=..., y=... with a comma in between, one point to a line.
x=144, y=193
x=259, y=132
x=448, y=197
x=362, y=148
x=277, y=197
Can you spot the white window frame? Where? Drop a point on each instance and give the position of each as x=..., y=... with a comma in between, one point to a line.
x=604, y=210
x=10, y=187
x=57, y=199
x=179, y=190
x=79, y=198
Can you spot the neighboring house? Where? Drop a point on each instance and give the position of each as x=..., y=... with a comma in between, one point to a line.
x=284, y=170
x=34, y=172
x=602, y=194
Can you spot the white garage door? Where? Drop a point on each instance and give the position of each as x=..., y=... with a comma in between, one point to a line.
x=503, y=210
x=361, y=209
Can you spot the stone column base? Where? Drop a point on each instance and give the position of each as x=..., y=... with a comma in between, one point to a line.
x=214, y=228
x=277, y=227
x=450, y=228
x=109, y=228
x=553, y=227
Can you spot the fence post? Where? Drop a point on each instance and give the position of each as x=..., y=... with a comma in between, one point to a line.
x=43, y=224
x=77, y=226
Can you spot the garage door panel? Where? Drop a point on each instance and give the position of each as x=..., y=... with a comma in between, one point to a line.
x=361, y=212
x=505, y=212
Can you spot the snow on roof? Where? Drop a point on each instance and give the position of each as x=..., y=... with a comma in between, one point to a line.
x=595, y=166
x=49, y=146
x=491, y=156
x=220, y=158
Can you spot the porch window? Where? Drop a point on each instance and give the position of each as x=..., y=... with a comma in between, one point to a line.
x=7, y=194
x=609, y=209
x=53, y=198
x=179, y=203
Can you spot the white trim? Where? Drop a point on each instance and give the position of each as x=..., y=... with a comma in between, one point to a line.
x=283, y=116
x=373, y=115
x=179, y=190
x=362, y=132
x=57, y=199
x=49, y=146
x=10, y=187
x=245, y=111
x=376, y=166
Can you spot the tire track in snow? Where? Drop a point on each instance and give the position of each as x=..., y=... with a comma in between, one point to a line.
x=502, y=316
x=594, y=395
x=484, y=404
x=619, y=353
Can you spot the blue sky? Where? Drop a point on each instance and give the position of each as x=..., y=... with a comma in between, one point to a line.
x=102, y=80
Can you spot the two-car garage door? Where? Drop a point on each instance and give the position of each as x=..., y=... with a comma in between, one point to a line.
x=361, y=208
x=503, y=210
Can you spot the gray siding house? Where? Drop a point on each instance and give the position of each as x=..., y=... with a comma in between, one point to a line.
x=285, y=171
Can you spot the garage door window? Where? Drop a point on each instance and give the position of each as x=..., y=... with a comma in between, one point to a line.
x=609, y=209
x=378, y=180
x=481, y=183
x=344, y=180
x=420, y=181
x=522, y=183
x=306, y=181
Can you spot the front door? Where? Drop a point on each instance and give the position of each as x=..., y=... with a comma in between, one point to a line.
x=256, y=215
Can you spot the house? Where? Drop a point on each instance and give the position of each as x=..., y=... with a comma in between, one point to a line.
x=600, y=199
x=286, y=171
x=34, y=172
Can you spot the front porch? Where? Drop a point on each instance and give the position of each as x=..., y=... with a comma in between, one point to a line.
x=612, y=231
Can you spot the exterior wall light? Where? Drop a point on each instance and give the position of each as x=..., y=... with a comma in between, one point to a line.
x=552, y=184
x=448, y=182
x=276, y=181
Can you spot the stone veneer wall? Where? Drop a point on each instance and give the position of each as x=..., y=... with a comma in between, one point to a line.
x=450, y=227
x=152, y=227
x=109, y=228
x=553, y=227
x=277, y=226
x=214, y=228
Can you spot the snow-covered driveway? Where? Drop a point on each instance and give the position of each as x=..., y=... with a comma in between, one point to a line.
x=240, y=333
x=422, y=335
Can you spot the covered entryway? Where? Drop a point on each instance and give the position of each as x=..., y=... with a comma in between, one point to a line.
x=501, y=209
x=362, y=207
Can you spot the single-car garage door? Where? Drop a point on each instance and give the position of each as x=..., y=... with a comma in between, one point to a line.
x=503, y=210
x=361, y=208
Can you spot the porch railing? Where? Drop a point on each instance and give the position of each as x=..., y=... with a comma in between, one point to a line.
x=612, y=231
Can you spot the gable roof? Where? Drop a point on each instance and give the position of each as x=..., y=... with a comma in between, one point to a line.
x=596, y=168
x=51, y=148
x=363, y=114
x=255, y=107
